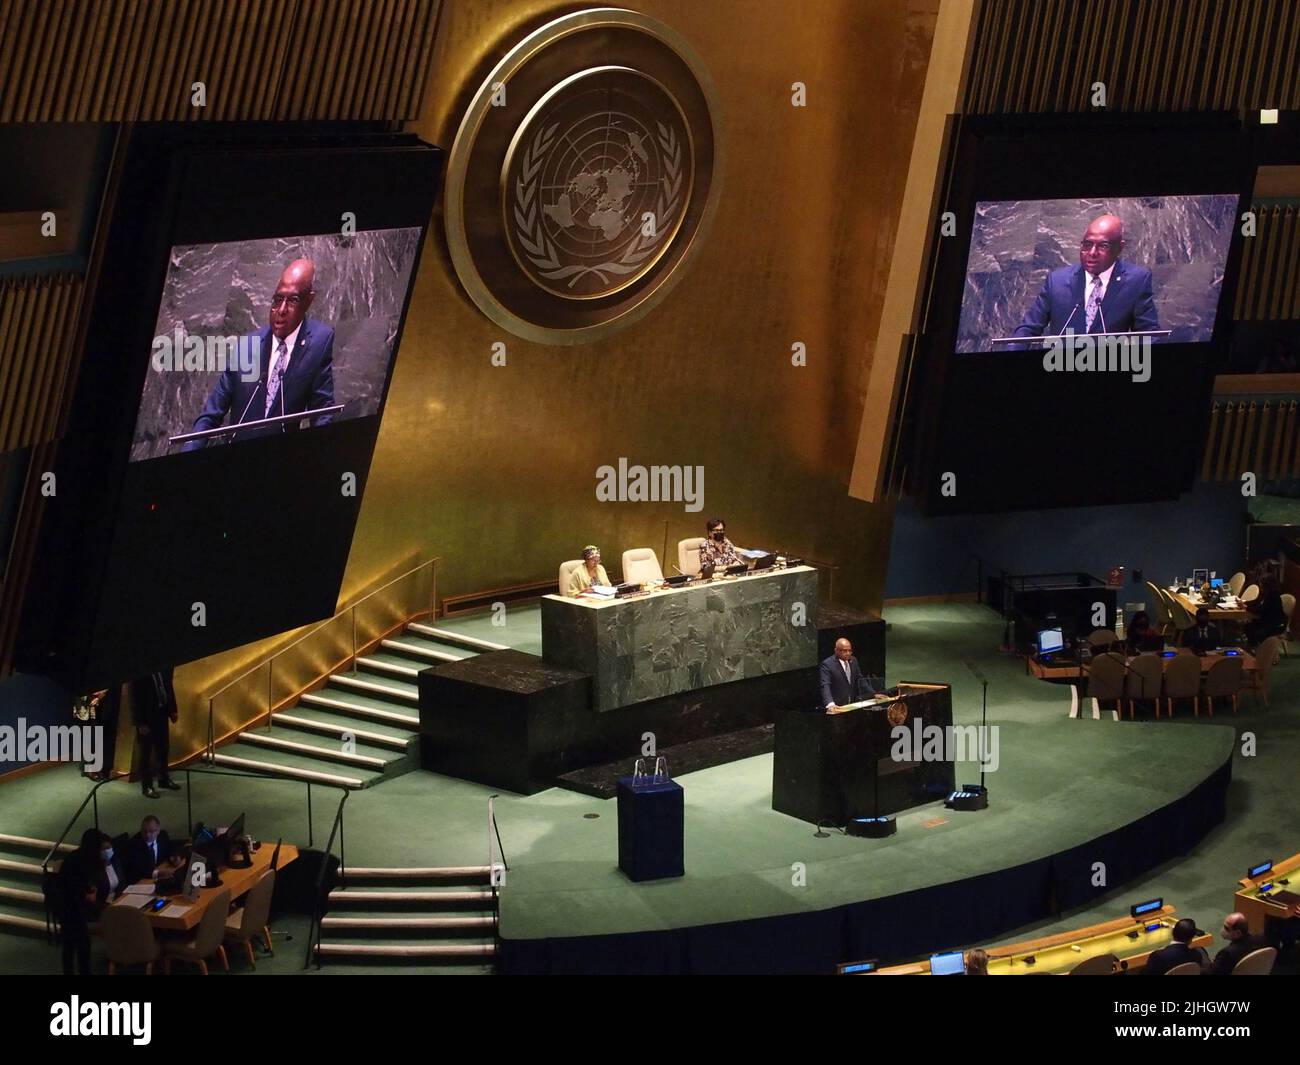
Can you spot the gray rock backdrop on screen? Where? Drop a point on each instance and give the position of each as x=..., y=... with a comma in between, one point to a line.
x=226, y=289
x=1182, y=240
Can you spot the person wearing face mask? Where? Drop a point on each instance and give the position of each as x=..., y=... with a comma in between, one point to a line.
x=1241, y=941
x=717, y=552
x=89, y=877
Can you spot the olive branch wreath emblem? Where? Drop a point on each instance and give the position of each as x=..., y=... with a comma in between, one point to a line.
x=530, y=229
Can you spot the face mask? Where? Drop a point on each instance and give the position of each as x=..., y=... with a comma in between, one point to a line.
x=108, y=855
x=719, y=536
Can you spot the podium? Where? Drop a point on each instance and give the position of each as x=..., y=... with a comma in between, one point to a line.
x=834, y=766
x=651, y=827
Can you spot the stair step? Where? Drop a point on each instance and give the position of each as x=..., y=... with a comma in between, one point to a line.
x=8, y=865
x=413, y=950
x=375, y=664
x=405, y=923
x=343, y=702
x=273, y=769
x=26, y=924
x=422, y=650
x=42, y=845
x=330, y=728
x=308, y=750
x=442, y=872
x=19, y=895
x=389, y=689
x=354, y=895
x=472, y=642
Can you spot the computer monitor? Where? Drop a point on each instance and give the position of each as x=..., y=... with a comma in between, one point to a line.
x=1050, y=640
x=227, y=842
x=1200, y=576
x=950, y=964
x=1216, y=582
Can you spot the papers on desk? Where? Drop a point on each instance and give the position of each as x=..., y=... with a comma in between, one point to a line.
x=604, y=591
x=175, y=909
x=140, y=889
x=751, y=553
x=135, y=901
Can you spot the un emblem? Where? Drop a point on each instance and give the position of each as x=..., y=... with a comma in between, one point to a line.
x=596, y=182
x=576, y=190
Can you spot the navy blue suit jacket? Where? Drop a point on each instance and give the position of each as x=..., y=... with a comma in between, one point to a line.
x=837, y=689
x=1127, y=307
x=307, y=385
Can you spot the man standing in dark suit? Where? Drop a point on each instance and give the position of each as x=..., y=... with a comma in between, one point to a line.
x=149, y=851
x=153, y=706
x=842, y=681
x=1103, y=294
x=297, y=356
x=1236, y=930
x=1179, y=952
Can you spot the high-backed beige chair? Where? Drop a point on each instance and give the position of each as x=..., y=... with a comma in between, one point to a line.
x=641, y=564
x=1288, y=608
x=1181, y=618
x=1163, y=620
x=566, y=571
x=1188, y=968
x=1106, y=682
x=1256, y=963
x=1100, y=640
x=688, y=555
x=1101, y=965
x=1183, y=681
x=1266, y=655
x=128, y=938
x=1250, y=594
x=1237, y=582
x=206, y=941
x=1223, y=679
x=1144, y=681
x=245, y=925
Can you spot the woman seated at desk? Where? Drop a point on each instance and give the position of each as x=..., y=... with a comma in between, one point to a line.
x=589, y=573
x=1141, y=637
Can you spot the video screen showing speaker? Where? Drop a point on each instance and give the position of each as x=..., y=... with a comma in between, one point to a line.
x=1149, y=265
x=275, y=334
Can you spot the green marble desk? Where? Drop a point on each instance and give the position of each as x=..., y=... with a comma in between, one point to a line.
x=681, y=639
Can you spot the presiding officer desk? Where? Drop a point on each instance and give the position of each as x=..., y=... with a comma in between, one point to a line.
x=181, y=914
x=680, y=638
x=1056, y=955
x=1269, y=896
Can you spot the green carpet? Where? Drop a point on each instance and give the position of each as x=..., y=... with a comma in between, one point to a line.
x=1059, y=782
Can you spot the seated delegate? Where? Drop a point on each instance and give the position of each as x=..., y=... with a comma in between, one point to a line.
x=589, y=573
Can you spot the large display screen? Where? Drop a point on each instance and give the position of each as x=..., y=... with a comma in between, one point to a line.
x=253, y=332
x=1151, y=265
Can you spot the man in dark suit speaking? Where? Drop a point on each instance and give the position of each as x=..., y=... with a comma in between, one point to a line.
x=1103, y=294
x=297, y=356
x=842, y=681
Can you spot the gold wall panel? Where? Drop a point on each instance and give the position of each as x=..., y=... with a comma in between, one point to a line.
x=38, y=319
x=1152, y=55
x=136, y=60
x=494, y=468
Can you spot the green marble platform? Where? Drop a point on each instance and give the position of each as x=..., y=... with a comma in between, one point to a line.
x=682, y=639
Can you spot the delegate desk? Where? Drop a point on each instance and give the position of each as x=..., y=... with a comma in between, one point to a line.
x=1233, y=612
x=1267, y=896
x=1061, y=670
x=678, y=639
x=182, y=914
x=834, y=766
x=1126, y=937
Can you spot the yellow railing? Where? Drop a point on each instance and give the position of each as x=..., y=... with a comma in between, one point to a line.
x=329, y=647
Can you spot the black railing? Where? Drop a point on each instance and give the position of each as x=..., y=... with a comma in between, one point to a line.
x=313, y=934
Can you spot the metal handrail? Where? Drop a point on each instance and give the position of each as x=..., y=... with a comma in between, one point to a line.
x=269, y=662
x=313, y=933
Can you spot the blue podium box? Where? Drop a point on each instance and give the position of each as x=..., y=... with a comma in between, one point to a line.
x=651, y=826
